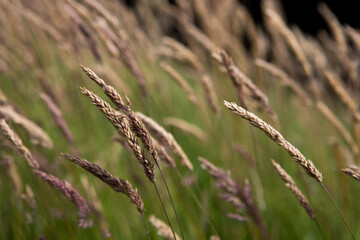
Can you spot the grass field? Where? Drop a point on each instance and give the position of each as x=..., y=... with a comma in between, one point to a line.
x=177, y=64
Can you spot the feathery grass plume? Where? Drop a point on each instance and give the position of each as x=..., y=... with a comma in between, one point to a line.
x=263, y=43
x=117, y=184
x=216, y=31
x=227, y=62
x=166, y=138
x=130, y=126
x=254, y=120
x=58, y=118
x=85, y=14
x=209, y=24
x=134, y=125
x=85, y=31
x=138, y=32
x=113, y=78
x=283, y=174
x=336, y=123
x=47, y=86
x=101, y=26
x=350, y=67
x=334, y=26
x=256, y=93
x=18, y=144
x=181, y=53
x=14, y=174
x=37, y=135
x=69, y=192
x=181, y=82
x=343, y=94
x=353, y=172
x=16, y=48
x=130, y=61
x=200, y=37
x=178, y=51
x=126, y=54
x=290, y=184
x=162, y=228
x=225, y=182
x=111, y=19
x=211, y=95
x=43, y=25
x=121, y=123
x=90, y=40
x=278, y=24
x=163, y=154
x=286, y=79
x=328, y=44
x=313, y=50
x=276, y=48
x=248, y=27
x=354, y=35
x=186, y=127
x=137, y=126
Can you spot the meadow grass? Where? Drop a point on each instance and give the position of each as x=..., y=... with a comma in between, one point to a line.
x=181, y=85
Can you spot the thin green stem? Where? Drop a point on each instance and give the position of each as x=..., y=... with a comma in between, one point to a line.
x=146, y=230
x=172, y=203
x=197, y=201
x=320, y=229
x=338, y=210
x=167, y=217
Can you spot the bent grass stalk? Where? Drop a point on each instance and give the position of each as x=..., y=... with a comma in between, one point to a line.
x=64, y=187
x=37, y=135
x=291, y=185
x=186, y=127
x=117, y=184
x=307, y=165
x=136, y=126
x=225, y=182
x=120, y=122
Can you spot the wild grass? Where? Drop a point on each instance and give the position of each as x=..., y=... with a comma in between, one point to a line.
x=159, y=73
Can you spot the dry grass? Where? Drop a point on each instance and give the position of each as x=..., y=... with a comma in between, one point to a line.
x=240, y=79
x=117, y=184
x=166, y=138
x=134, y=51
x=18, y=144
x=162, y=229
x=278, y=138
x=334, y=121
x=291, y=185
x=71, y=194
x=181, y=82
x=38, y=136
x=186, y=127
x=122, y=125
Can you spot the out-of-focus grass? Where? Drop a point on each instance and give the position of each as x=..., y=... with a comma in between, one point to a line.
x=55, y=218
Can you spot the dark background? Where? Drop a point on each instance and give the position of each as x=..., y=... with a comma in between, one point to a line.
x=304, y=12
